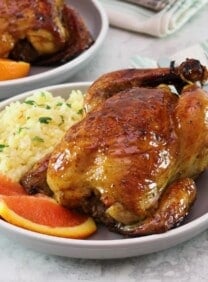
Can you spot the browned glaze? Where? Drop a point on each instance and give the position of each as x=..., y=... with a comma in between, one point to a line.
x=131, y=162
x=111, y=83
x=172, y=207
x=37, y=31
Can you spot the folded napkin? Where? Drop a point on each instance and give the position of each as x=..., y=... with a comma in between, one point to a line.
x=138, y=19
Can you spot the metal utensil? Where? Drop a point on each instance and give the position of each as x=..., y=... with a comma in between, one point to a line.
x=155, y=5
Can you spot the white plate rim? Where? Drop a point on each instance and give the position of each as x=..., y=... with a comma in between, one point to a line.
x=103, y=249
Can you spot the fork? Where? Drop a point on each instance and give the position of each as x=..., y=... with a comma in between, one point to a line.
x=155, y=5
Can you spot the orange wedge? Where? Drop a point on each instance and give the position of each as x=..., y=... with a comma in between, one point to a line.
x=11, y=69
x=9, y=187
x=44, y=215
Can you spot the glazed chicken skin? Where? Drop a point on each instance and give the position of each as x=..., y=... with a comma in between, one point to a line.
x=41, y=31
x=131, y=162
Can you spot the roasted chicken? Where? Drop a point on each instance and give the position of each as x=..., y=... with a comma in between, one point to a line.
x=132, y=161
x=41, y=32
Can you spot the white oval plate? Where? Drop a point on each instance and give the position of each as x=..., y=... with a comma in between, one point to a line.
x=96, y=20
x=105, y=244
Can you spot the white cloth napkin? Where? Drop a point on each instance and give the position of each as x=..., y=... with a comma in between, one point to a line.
x=159, y=24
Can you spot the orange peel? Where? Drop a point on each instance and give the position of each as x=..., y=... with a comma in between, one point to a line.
x=44, y=215
x=10, y=69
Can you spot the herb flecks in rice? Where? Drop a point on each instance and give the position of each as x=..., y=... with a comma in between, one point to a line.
x=30, y=129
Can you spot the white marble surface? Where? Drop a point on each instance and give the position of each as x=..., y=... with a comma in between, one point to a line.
x=185, y=262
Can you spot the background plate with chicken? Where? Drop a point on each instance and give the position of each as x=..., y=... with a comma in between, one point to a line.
x=46, y=71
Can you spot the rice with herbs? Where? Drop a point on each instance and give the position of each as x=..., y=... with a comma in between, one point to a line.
x=30, y=129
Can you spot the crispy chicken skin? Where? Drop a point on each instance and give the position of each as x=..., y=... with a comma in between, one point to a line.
x=131, y=162
x=35, y=180
x=41, y=31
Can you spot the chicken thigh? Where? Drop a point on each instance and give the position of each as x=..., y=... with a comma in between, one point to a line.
x=131, y=162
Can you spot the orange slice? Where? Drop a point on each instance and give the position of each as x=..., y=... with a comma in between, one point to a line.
x=11, y=69
x=9, y=187
x=44, y=215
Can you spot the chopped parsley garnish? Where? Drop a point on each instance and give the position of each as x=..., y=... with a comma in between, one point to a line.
x=33, y=103
x=38, y=139
x=45, y=120
x=80, y=112
x=2, y=146
x=62, y=120
x=43, y=94
x=59, y=104
x=68, y=105
x=21, y=128
x=30, y=102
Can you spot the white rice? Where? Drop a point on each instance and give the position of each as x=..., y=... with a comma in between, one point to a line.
x=32, y=128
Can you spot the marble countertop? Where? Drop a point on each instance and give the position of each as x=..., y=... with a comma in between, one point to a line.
x=185, y=262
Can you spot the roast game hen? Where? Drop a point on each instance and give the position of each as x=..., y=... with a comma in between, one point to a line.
x=43, y=32
x=131, y=163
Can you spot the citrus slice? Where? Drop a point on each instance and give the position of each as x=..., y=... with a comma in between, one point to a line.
x=11, y=69
x=9, y=187
x=44, y=215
